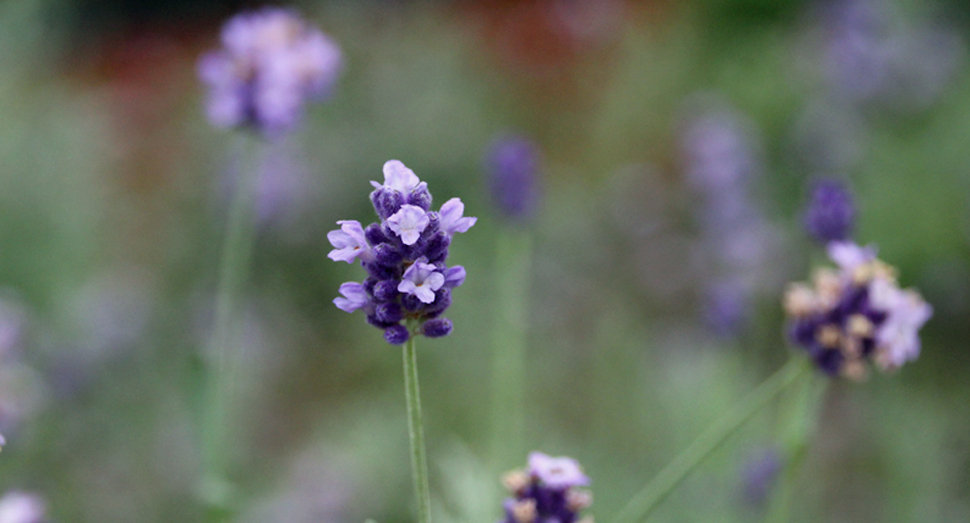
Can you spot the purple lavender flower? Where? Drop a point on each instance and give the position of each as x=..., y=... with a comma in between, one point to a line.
x=405, y=256
x=830, y=213
x=856, y=314
x=512, y=165
x=21, y=507
x=271, y=63
x=759, y=475
x=546, y=491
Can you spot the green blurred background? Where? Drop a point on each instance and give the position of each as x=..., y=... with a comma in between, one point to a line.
x=112, y=203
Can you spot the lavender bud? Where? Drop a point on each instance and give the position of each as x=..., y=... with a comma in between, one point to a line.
x=389, y=312
x=411, y=303
x=374, y=234
x=436, y=246
x=387, y=203
x=421, y=198
x=369, y=284
x=375, y=321
x=381, y=272
x=441, y=302
x=385, y=254
x=513, y=164
x=396, y=334
x=386, y=290
x=436, y=328
x=830, y=214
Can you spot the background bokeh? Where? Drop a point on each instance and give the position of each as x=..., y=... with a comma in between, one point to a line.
x=678, y=139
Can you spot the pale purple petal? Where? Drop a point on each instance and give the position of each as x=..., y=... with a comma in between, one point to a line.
x=454, y=276
x=408, y=223
x=421, y=279
x=848, y=255
x=557, y=473
x=355, y=297
x=349, y=242
x=452, y=219
x=399, y=178
x=898, y=336
x=21, y=507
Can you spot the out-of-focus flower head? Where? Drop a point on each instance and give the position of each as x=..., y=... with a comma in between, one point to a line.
x=546, y=491
x=513, y=165
x=856, y=314
x=21, y=507
x=405, y=256
x=270, y=64
x=830, y=214
x=759, y=474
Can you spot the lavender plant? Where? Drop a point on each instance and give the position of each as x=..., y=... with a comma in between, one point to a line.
x=547, y=491
x=272, y=62
x=408, y=280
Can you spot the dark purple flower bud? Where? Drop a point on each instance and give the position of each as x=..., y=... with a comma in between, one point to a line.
x=386, y=290
x=442, y=301
x=389, y=312
x=513, y=164
x=387, y=255
x=420, y=197
x=830, y=214
x=374, y=234
x=375, y=321
x=411, y=303
x=437, y=327
x=396, y=334
x=386, y=203
x=369, y=284
x=381, y=272
x=437, y=245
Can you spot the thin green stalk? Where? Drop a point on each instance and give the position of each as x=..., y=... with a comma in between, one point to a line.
x=419, y=461
x=673, y=474
x=233, y=272
x=795, y=430
x=513, y=263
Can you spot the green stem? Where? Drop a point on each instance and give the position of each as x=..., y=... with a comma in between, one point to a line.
x=513, y=262
x=419, y=461
x=233, y=271
x=795, y=430
x=673, y=474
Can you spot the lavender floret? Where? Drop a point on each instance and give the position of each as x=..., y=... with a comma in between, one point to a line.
x=546, y=491
x=513, y=165
x=830, y=214
x=405, y=255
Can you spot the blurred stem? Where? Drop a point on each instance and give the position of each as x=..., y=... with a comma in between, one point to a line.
x=513, y=261
x=419, y=461
x=644, y=502
x=233, y=272
x=796, y=427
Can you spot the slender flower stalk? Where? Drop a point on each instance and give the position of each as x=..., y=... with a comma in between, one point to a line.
x=419, y=460
x=673, y=474
x=233, y=272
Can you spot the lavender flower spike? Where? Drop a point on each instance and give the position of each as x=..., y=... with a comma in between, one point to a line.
x=271, y=64
x=856, y=315
x=405, y=255
x=452, y=217
x=830, y=214
x=422, y=280
x=512, y=164
x=546, y=491
x=349, y=242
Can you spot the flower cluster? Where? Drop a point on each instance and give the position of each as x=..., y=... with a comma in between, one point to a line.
x=831, y=213
x=856, y=314
x=546, y=492
x=270, y=64
x=404, y=255
x=513, y=165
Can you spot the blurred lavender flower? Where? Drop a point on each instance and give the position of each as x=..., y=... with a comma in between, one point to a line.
x=512, y=164
x=722, y=159
x=404, y=255
x=21, y=507
x=271, y=63
x=546, y=491
x=830, y=214
x=856, y=314
x=759, y=475
x=877, y=55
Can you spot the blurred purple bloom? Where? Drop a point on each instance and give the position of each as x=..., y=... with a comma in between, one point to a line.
x=556, y=473
x=906, y=313
x=759, y=475
x=830, y=214
x=270, y=64
x=21, y=507
x=546, y=491
x=513, y=165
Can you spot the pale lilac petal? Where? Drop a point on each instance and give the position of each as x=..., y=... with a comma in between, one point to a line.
x=421, y=279
x=454, y=276
x=355, y=297
x=425, y=294
x=435, y=280
x=408, y=223
x=399, y=178
x=556, y=473
x=349, y=242
x=452, y=220
x=848, y=255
